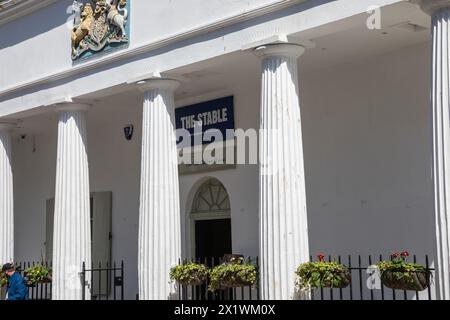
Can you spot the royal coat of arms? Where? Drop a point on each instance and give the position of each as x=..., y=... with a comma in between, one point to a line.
x=98, y=24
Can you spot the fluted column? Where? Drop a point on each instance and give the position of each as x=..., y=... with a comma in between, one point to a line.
x=159, y=213
x=72, y=229
x=282, y=199
x=440, y=12
x=6, y=194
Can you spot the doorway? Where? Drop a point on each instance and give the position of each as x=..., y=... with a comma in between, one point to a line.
x=211, y=236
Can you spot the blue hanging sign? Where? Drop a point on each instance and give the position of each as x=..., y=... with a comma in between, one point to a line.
x=211, y=115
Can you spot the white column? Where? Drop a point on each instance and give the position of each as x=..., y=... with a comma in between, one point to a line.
x=6, y=194
x=282, y=206
x=440, y=12
x=159, y=214
x=72, y=235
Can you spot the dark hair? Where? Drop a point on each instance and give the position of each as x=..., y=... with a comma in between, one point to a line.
x=7, y=267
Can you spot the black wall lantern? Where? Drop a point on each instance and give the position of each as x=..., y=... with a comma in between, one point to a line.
x=128, y=131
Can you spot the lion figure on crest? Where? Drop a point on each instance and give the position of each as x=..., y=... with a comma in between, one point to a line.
x=80, y=31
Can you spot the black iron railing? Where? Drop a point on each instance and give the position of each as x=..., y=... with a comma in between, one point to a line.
x=107, y=283
x=366, y=283
x=103, y=282
x=39, y=291
x=201, y=292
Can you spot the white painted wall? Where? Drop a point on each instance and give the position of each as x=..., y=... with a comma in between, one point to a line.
x=179, y=16
x=367, y=157
x=34, y=45
x=40, y=42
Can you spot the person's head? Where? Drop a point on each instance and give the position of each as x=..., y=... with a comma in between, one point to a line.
x=8, y=269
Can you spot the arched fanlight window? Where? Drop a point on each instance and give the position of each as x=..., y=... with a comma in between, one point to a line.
x=211, y=197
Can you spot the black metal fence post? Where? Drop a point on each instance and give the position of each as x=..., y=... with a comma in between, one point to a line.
x=114, y=283
x=83, y=282
x=122, y=287
x=427, y=265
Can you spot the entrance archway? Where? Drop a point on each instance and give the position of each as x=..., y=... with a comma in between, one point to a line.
x=211, y=221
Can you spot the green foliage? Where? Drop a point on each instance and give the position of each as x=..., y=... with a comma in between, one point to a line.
x=190, y=273
x=3, y=280
x=38, y=274
x=233, y=274
x=400, y=269
x=322, y=274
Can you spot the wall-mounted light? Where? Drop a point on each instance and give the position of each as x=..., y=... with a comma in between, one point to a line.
x=128, y=131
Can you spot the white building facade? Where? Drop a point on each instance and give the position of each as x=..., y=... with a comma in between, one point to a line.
x=353, y=135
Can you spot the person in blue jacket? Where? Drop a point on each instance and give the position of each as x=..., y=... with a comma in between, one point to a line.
x=17, y=289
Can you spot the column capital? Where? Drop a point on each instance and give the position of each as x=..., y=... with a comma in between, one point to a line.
x=71, y=106
x=158, y=83
x=8, y=125
x=280, y=49
x=432, y=6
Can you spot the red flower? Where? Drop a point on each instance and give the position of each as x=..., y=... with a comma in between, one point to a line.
x=395, y=255
x=321, y=257
x=405, y=254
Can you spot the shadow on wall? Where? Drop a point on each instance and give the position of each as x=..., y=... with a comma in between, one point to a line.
x=60, y=12
x=35, y=24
